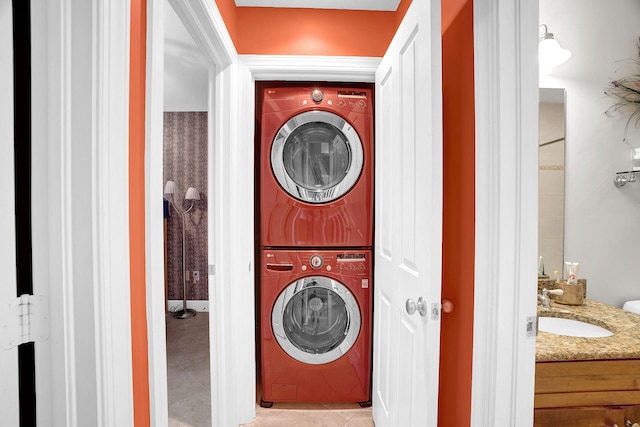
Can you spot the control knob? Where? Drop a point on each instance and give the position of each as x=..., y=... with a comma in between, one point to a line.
x=316, y=261
x=317, y=95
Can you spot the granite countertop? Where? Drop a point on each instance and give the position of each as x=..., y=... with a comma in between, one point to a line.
x=623, y=344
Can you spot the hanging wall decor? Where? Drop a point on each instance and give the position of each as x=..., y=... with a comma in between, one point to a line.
x=626, y=93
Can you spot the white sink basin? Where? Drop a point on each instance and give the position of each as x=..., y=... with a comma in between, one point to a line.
x=572, y=328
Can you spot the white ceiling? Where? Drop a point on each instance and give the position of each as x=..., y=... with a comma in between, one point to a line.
x=391, y=5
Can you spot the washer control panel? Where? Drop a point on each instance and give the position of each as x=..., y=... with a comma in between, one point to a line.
x=358, y=100
x=349, y=263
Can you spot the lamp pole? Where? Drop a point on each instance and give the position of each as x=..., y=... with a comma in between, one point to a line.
x=192, y=194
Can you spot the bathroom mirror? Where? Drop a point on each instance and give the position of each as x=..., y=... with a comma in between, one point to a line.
x=551, y=162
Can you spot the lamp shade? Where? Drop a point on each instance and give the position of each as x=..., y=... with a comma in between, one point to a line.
x=192, y=194
x=171, y=188
x=550, y=53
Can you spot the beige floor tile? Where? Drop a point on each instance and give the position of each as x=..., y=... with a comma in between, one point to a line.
x=348, y=410
x=362, y=419
x=298, y=418
x=188, y=378
x=360, y=423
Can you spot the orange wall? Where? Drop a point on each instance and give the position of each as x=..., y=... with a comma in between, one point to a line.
x=228, y=9
x=268, y=31
x=139, y=345
x=271, y=31
x=459, y=213
x=450, y=11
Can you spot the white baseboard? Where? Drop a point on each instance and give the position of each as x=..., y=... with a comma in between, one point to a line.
x=197, y=305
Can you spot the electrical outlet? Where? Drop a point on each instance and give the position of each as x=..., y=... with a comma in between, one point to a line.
x=196, y=276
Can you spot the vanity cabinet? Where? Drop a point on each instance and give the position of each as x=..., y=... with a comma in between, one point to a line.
x=587, y=416
x=587, y=393
x=582, y=417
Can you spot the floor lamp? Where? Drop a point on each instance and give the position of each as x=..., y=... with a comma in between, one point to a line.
x=171, y=189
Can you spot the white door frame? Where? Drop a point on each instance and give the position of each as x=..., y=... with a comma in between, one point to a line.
x=203, y=21
x=81, y=211
x=506, y=96
x=9, y=387
x=154, y=241
x=506, y=212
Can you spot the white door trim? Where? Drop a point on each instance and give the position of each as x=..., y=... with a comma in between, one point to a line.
x=323, y=68
x=506, y=93
x=154, y=240
x=110, y=148
x=272, y=67
x=81, y=238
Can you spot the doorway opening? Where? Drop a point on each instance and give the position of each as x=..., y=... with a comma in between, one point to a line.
x=186, y=214
x=315, y=153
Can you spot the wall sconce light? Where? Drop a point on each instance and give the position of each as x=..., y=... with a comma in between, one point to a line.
x=550, y=53
x=171, y=189
x=623, y=178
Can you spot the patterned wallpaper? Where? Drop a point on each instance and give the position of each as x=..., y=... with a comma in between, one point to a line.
x=185, y=162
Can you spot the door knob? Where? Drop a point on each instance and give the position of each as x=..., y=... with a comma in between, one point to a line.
x=420, y=306
x=447, y=305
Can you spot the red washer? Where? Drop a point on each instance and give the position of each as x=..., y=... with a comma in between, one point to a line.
x=316, y=326
x=316, y=182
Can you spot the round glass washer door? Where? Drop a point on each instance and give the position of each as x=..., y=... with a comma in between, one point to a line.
x=317, y=156
x=316, y=320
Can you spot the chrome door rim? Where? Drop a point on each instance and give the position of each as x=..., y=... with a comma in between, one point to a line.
x=312, y=195
x=350, y=335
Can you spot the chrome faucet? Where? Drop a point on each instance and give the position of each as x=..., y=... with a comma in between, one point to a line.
x=544, y=299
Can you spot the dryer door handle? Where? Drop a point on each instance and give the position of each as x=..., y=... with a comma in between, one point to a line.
x=280, y=267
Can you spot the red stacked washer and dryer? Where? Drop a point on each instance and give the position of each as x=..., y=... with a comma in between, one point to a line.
x=316, y=233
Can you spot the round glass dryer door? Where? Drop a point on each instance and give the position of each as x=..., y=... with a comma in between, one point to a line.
x=316, y=320
x=316, y=157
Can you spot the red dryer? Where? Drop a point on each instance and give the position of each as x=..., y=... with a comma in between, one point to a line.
x=316, y=326
x=316, y=182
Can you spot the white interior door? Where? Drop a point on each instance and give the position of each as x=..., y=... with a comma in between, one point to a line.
x=9, y=401
x=408, y=222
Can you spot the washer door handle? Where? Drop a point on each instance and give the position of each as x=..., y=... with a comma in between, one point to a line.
x=420, y=306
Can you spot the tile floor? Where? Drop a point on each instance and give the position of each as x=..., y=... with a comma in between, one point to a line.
x=312, y=415
x=189, y=388
x=188, y=372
